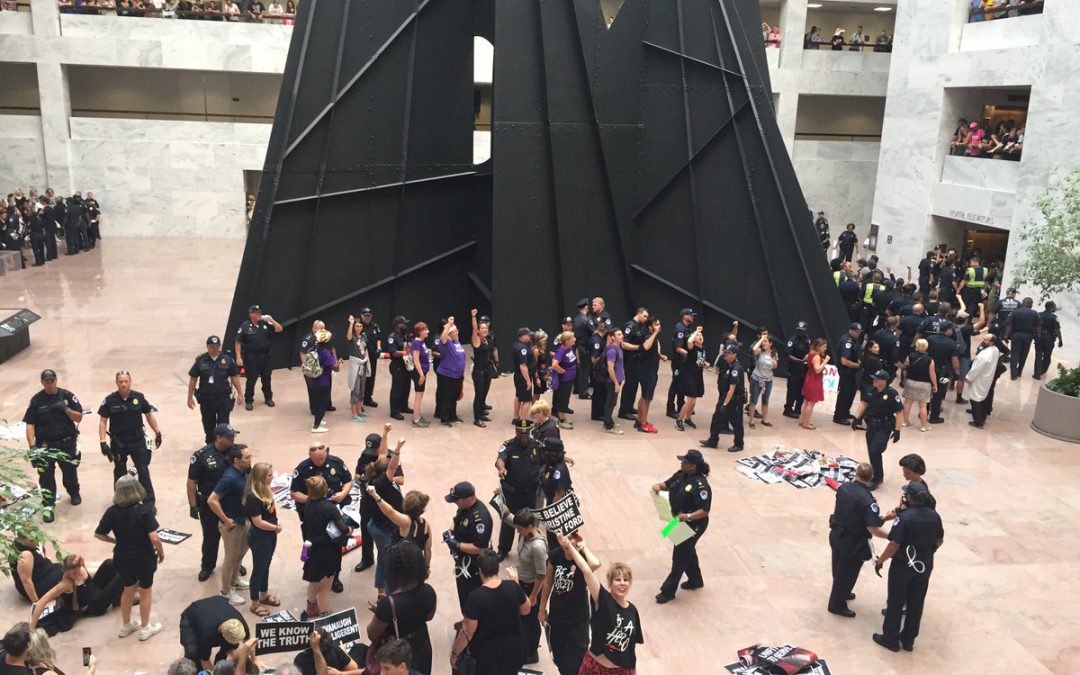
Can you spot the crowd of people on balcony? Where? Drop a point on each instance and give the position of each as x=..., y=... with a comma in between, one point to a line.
x=250, y=11
x=988, y=10
x=1004, y=140
x=838, y=42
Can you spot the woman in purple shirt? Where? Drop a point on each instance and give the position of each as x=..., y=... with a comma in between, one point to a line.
x=564, y=370
x=320, y=386
x=450, y=372
x=421, y=358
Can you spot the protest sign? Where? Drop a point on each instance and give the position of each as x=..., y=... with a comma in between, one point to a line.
x=280, y=617
x=282, y=636
x=343, y=627
x=172, y=536
x=564, y=516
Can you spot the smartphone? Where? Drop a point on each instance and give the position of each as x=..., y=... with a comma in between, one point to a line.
x=86, y=657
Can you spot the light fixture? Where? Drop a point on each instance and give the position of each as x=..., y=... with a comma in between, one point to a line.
x=813, y=5
x=883, y=9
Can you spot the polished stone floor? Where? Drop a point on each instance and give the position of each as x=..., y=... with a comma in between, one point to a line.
x=1002, y=598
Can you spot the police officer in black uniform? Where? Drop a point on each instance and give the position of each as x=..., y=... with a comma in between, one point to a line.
x=855, y=517
x=217, y=377
x=524, y=372
x=1049, y=334
x=470, y=534
x=338, y=479
x=253, y=353
x=583, y=329
x=848, y=365
x=798, y=346
x=909, y=328
x=121, y=415
x=682, y=331
x=52, y=422
x=555, y=479
x=882, y=414
x=634, y=333
x=729, y=406
x=519, y=464
x=204, y=470
x=37, y=235
x=1002, y=309
x=598, y=369
x=399, y=375
x=1022, y=327
x=888, y=338
x=915, y=536
x=850, y=294
x=945, y=351
x=373, y=334
x=691, y=498
x=48, y=217
x=972, y=285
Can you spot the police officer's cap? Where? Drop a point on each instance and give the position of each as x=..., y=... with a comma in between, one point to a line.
x=802, y=325
x=686, y=311
x=692, y=457
x=365, y=311
x=584, y=302
x=1010, y=291
x=914, y=487
x=224, y=429
x=1051, y=306
x=48, y=374
x=567, y=319
x=855, y=325
x=524, y=330
x=254, y=308
x=372, y=443
x=399, y=319
x=889, y=283
x=554, y=445
x=732, y=348
x=462, y=490
x=213, y=340
x=881, y=375
x=523, y=426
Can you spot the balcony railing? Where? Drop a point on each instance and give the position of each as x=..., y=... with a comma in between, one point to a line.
x=1005, y=9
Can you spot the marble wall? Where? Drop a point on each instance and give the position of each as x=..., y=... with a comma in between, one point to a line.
x=22, y=155
x=837, y=177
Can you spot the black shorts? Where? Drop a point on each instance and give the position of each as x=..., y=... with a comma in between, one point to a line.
x=417, y=387
x=647, y=381
x=522, y=391
x=136, y=570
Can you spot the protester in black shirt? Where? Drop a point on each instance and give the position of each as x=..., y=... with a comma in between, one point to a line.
x=33, y=573
x=261, y=510
x=209, y=624
x=322, y=655
x=409, y=606
x=78, y=593
x=483, y=370
x=324, y=554
x=491, y=628
x=564, y=606
x=137, y=551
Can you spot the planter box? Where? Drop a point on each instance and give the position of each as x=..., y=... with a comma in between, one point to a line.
x=1057, y=415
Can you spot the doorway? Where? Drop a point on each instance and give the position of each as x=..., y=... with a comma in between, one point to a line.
x=993, y=244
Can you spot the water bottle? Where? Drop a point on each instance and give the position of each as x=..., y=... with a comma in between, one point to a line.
x=304, y=551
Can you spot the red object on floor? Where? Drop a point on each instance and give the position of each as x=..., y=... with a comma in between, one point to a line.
x=831, y=482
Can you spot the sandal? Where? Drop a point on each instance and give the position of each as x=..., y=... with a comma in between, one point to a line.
x=765, y=423
x=808, y=427
x=270, y=601
x=753, y=426
x=259, y=610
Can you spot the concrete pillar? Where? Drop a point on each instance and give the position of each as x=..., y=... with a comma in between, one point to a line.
x=55, y=131
x=792, y=27
x=45, y=17
x=787, y=107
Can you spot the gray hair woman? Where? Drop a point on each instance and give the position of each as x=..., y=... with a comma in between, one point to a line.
x=136, y=553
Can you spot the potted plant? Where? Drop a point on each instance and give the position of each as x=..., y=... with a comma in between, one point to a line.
x=21, y=503
x=1052, y=264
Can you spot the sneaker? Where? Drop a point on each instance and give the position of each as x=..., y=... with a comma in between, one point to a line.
x=234, y=599
x=614, y=430
x=566, y=425
x=320, y=429
x=129, y=628
x=690, y=423
x=371, y=404
x=241, y=585
x=357, y=418
x=679, y=425
x=149, y=631
x=247, y=406
x=650, y=428
x=924, y=428
x=421, y=423
x=269, y=403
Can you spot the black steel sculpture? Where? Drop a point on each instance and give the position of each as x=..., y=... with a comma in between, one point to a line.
x=640, y=162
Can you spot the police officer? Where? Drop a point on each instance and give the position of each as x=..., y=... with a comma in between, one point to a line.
x=1022, y=326
x=678, y=357
x=524, y=363
x=37, y=235
x=48, y=217
x=848, y=365
x=373, y=334
x=851, y=294
x=1049, y=333
x=583, y=329
x=519, y=464
x=338, y=479
x=732, y=385
x=887, y=337
x=598, y=369
x=52, y=422
x=469, y=535
x=916, y=536
x=399, y=374
x=908, y=328
x=204, y=470
x=253, y=353
x=798, y=346
x=882, y=414
x=972, y=285
x=555, y=479
x=1002, y=309
x=691, y=498
x=945, y=351
x=214, y=372
x=121, y=415
x=634, y=334
x=871, y=293
x=855, y=517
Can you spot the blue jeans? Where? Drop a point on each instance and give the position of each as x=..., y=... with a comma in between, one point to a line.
x=383, y=536
x=762, y=389
x=262, y=544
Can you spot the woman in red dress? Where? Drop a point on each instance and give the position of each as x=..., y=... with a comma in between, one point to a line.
x=812, y=390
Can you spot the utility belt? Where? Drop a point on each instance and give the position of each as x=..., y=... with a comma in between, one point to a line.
x=878, y=423
x=44, y=443
x=211, y=395
x=138, y=439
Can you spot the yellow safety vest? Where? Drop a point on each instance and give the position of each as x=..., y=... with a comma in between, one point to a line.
x=870, y=288
x=976, y=277
x=836, y=277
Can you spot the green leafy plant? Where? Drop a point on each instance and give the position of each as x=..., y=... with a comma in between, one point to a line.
x=1052, y=259
x=22, y=501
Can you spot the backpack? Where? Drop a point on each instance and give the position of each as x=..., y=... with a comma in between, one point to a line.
x=310, y=364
